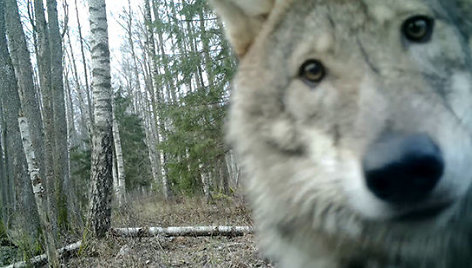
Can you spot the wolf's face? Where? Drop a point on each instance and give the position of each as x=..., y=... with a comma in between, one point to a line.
x=354, y=116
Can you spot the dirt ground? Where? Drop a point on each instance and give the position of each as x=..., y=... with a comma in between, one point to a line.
x=174, y=251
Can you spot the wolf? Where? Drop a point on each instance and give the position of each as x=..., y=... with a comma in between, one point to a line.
x=353, y=122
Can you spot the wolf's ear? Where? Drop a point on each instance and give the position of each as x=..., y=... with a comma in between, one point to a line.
x=243, y=20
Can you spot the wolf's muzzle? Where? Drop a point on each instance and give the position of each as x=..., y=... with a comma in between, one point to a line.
x=403, y=169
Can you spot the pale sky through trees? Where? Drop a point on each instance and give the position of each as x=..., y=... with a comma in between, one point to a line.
x=115, y=32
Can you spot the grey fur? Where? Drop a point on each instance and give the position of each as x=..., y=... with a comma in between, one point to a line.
x=302, y=144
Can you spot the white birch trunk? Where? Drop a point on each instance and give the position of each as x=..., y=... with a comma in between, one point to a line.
x=183, y=231
x=115, y=175
x=18, y=95
x=38, y=191
x=99, y=218
x=205, y=183
x=84, y=62
x=233, y=169
x=158, y=126
x=150, y=131
x=120, y=167
x=3, y=182
x=39, y=260
x=43, y=57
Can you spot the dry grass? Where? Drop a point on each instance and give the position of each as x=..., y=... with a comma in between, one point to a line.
x=151, y=211
x=175, y=251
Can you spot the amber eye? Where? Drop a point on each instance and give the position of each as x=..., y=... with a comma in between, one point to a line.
x=312, y=71
x=418, y=29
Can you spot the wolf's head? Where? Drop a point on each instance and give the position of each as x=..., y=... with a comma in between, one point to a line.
x=355, y=117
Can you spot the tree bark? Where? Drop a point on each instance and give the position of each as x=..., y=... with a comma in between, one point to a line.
x=183, y=231
x=85, y=123
x=38, y=191
x=26, y=217
x=156, y=91
x=233, y=169
x=71, y=128
x=61, y=153
x=206, y=50
x=74, y=214
x=37, y=261
x=102, y=139
x=120, y=166
x=84, y=63
x=21, y=60
x=43, y=58
x=3, y=178
x=224, y=174
x=205, y=184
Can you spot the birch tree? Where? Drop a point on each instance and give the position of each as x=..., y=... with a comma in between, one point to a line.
x=24, y=73
x=43, y=57
x=153, y=86
x=102, y=139
x=85, y=121
x=38, y=191
x=120, y=169
x=86, y=74
x=26, y=216
x=7, y=75
x=4, y=185
x=186, y=65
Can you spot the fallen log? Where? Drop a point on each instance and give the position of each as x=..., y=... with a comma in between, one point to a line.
x=43, y=259
x=182, y=231
x=144, y=232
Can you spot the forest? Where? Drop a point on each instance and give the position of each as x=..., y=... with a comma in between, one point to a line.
x=112, y=148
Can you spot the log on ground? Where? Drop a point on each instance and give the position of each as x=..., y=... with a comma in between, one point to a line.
x=183, y=231
x=43, y=259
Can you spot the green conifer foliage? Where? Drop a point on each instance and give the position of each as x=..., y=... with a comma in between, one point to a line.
x=200, y=66
x=137, y=166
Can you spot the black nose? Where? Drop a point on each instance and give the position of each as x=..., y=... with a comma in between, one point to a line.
x=403, y=169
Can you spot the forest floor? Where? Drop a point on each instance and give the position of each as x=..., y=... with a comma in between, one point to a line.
x=159, y=252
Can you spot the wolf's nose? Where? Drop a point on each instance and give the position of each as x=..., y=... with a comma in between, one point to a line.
x=403, y=169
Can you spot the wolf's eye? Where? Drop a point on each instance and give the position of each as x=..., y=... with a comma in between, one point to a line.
x=418, y=29
x=312, y=71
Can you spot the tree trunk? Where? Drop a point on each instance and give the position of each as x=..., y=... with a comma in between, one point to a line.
x=116, y=184
x=150, y=131
x=61, y=153
x=43, y=57
x=193, y=45
x=75, y=217
x=206, y=49
x=39, y=261
x=84, y=62
x=26, y=214
x=157, y=92
x=136, y=89
x=234, y=170
x=85, y=123
x=224, y=175
x=206, y=184
x=120, y=167
x=183, y=231
x=71, y=128
x=102, y=139
x=38, y=191
x=3, y=178
x=20, y=57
